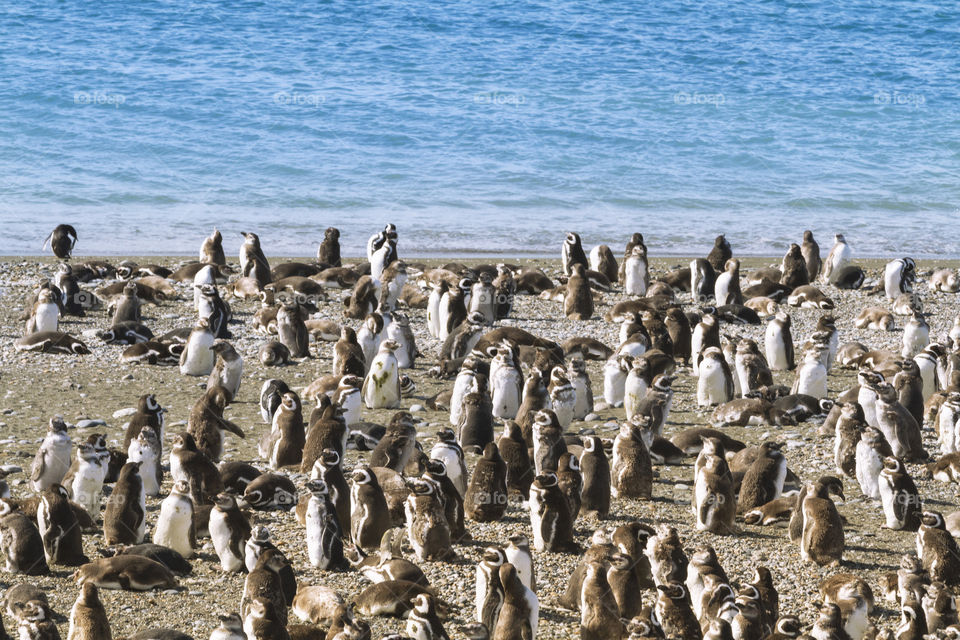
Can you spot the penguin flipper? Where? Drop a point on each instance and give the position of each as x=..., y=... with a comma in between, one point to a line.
x=38, y=467
x=226, y=425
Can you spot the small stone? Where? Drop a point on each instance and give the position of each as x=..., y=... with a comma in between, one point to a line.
x=601, y=406
x=590, y=417
x=416, y=408
x=127, y=377
x=123, y=413
x=88, y=424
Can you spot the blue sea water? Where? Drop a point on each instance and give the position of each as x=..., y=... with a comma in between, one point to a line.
x=481, y=126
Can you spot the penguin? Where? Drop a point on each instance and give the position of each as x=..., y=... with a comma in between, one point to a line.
x=764, y=479
x=253, y=264
x=847, y=435
x=62, y=538
x=872, y=449
x=603, y=261
x=939, y=607
x=88, y=479
x=88, y=618
x=207, y=277
x=124, y=519
x=595, y=468
x=838, y=258
x=727, y=286
x=398, y=444
x=211, y=249
x=265, y=581
x=822, y=540
x=548, y=442
x=292, y=330
x=563, y=397
x=486, y=498
x=193, y=467
x=678, y=328
x=702, y=280
x=715, y=383
x=506, y=382
x=578, y=300
x=489, y=595
x=149, y=415
x=207, y=424
x=400, y=332
x=381, y=387
x=428, y=530
x=475, y=427
x=423, y=623
x=898, y=277
x=450, y=453
x=570, y=480
x=228, y=370
x=899, y=497
x=324, y=543
x=51, y=342
x=811, y=255
x=916, y=335
x=175, y=525
x=811, y=376
x=583, y=389
x=146, y=451
x=514, y=451
x=229, y=531
x=938, y=550
x=631, y=474
x=778, y=343
x=897, y=424
x=62, y=240
x=52, y=461
x=34, y=621
x=599, y=612
x=21, y=545
x=550, y=516
x=369, y=514
x=520, y=614
x=674, y=612
x=705, y=335
x=437, y=292
x=572, y=253
x=615, y=372
x=483, y=298
x=327, y=431
x=197, y=357
x=636, y=386
x=636, y=273
x=262, y=621
x=715, y=500
x=126, y=308
x=45, y=314
x=286, y=449
x=212, y=308
x=348, y=357
x=518, y=554
x=794, y=268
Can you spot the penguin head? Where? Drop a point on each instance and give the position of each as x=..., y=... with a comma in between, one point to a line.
x=251, y=239
x=519, y=541
x=545, y=480
x=420, y=487
x=569, y=462
x=572, y=239
x=180, y=488
x=57, y=425
x=446, y=435
x=892, y=465
x=316, y=487
x=79, y=348
x=290, y=402
x=933, y=519
x=436, y=468
x=148, y=437
x=225, y=501
x=362, y=475
x=673, y=590
x=494, y=556
x=389, y=346
x=329, y=458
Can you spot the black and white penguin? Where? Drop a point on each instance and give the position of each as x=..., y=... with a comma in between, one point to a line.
x=899, y=496
x=423, y=623
x=190, y=465
x=428, y=530
x=150, y=415
x=548, y=442
x=381, y=387
x=57, y=523
x=778, y=343
x=897, y=424
x=197, y=357
x=369, y=514
x=675, y=613
x=515, y=453
x=62, y=240
x=938, y=550
x=603, y=261
x=253, y=264
x=214, y=309
x=324, y=543
x=727, y=286
x=146, y=451
x=124, y=519
x=450, y=453
x=52, y=461
x=228, y=370
x=520, y=614
x=631, y=473
x=229, y=531
x=489, y=595
x=288, y=436
x=572, y=253
x=898, y=277
x=550, y=516
x=764, y=479
x=636, y=274
x=838, y=258
x=486, y=497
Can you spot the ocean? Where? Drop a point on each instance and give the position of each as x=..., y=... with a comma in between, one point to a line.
x=481, y=127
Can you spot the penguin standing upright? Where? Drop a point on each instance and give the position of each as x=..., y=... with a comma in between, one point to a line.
x=599, y=612
x=520, y=614
x=636, y=272
x=578, y=300
x=328, y=252
x=369, y=514
x=720, y=253
x=53, y=458
x=486, y=497
x=211, y=250
x=727, y=286
x=175, y=525
x=197, y=357
x=506, y=383
x=631, y=474
x=811, y=255
x=550, y=516
x=229, y=531
x=822, y=541
x=899, y=497
x=57, y=523
x=838, y=258
x=938, y=549
x=572, y=253
x=124, y=519
x=513, y=449
x=88, y=618
x=381, y=387
x=292, y=329
x=595, y=496
x=582, y=387
x=324, y=543
x=145, y=449
x=228, y=370
x=778, y=343
x=675, y=613
x=570, y=479
x=423, y=623
x=794, y=268
x=428, y=530
x=253, y=264
x=764, y=479
x=489, y=590
x=450, y=453
x=716, y=506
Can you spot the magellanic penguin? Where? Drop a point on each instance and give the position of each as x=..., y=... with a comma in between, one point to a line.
x=211, y=250
x=636, y=274
x=381, y=387
x=489, y=590
x=52, y=461
x=62, y=240
x=764, y=479
x=145, y=449
x=124, y=519
x=87, y=482
x=228, y=370
x=45, y=314
x=428, y=529
x=572, y=253
x=599, y=612
x=916, y=335
x=423, y=622
x=716, y=506
x=450, y=453
x=550, y=516
x=675, y=613
x=486, y=497
x=838, y=258
x=62, y=538
x=578, y=300
x=727, y=286
x=595, y=468
x=369, y=514
x=603, y=261
x=229, y=531
x=715, y=380
x=938, y=550
x=897, y=424
x=822, y=541
x=514, y=451
x=175, y=525
x=520, y=614
x=811, y=255
x=149, y=415
x=324, y=543
x=21, y=545
x=206, y=422
x=899, y=496
x=190, y=465
x=898, y=277
x=872, y=449
x=197, y=357
x=631, y=473
x=88, y=618
x=253, y=264
x=778, y=343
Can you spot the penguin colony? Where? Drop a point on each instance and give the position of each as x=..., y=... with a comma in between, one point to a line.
x=343, y=481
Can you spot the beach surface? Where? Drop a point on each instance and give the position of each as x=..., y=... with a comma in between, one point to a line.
x=35, y=387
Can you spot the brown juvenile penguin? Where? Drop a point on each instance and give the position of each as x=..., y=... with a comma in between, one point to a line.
x=207, y=424
x=486, y=496
x=578, y=301
x=124, y=519
x=88, y=618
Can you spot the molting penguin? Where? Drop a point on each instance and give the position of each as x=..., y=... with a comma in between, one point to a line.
x=369, y=514
x=838, y=258
x=146, y=451
x=595, y=468
x=211, y=250
x=938, y=550
x=428, y=529
x=124, y=519
x=228, y=370
x=253, y=264
x=324, y=543
x=778, y=343
x=88, y=618
x=21, y=545
x=62, y=538
x=197, y=357
x=822, y=540
x=811, y=255
x=53, y=458
x=486, y=497
x=631, y=474
x=578, y=301
x=764, y=479
x=381, y=387
x=175, y=526
x=898, y=495
x=207, y=424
